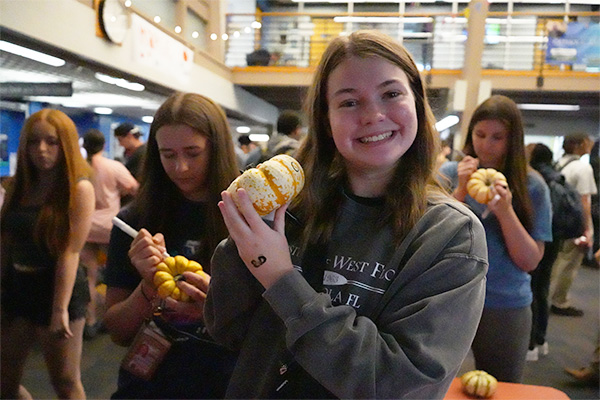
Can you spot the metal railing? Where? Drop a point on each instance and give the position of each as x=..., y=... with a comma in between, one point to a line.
x=515, y=41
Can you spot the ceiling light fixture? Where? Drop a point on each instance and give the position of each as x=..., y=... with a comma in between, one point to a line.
x=31, y=54
x=120, y=82
x=446, y=123
x=548, y=107
x=21, y=75
x=105, y=78
x=242, y=129
x=94, y=99
x=148, y=119
x=103, y=110
x=259, y=137
x=136, y=87
x=73, y=104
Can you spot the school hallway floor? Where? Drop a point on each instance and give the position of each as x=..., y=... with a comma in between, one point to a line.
x=571, y=340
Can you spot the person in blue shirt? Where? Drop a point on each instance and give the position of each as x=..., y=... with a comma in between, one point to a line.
x=517, y=224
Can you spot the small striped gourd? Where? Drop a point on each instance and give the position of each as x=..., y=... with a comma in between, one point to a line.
x=480, y=184
x=479, y=383
x=171, y=270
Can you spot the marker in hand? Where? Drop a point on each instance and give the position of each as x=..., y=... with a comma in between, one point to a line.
x=122, y=225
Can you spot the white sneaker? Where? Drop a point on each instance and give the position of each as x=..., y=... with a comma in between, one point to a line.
x=543, y=349
x=532, y=355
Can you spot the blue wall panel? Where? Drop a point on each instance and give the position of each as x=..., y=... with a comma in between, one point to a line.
x=11, y=123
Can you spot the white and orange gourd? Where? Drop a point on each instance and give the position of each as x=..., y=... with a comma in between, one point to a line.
x=271, y=184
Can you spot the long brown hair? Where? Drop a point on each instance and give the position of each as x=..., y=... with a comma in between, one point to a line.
x=158, y=195
x=414, y=178
x=515, y=169
x=52, y=227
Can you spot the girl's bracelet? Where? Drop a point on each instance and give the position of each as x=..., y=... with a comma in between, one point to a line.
x=157, y=306
x=148, y=299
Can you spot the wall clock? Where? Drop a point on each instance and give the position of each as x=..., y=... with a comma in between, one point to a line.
x=113, y=18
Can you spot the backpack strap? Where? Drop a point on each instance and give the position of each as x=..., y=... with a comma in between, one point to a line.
x=560, y=168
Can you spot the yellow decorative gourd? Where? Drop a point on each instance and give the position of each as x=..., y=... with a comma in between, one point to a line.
x=271, y=184
x=171, y=270
x=480, y=184
x=479, y=383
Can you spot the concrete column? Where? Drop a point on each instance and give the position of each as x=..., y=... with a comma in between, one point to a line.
x=181, y=16
x=471, y=72
x=216, y=24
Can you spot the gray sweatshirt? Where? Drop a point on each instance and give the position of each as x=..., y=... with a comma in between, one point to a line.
x=389, y=322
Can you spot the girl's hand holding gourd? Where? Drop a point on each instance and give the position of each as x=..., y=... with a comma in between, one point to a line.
x=263, y=249
x=465, y=168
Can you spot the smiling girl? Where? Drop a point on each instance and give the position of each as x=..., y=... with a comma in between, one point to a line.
x=375, y=287
x=515, y=232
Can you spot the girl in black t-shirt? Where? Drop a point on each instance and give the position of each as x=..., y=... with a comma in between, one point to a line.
x=189, y=160
x=46, y=218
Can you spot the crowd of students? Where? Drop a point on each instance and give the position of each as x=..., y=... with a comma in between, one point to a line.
x=375, y=282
